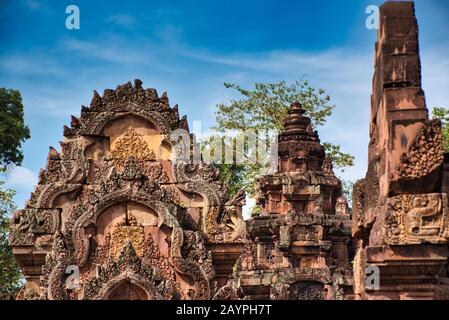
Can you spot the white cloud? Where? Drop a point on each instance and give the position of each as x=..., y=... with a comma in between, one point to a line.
x=139, y=54
x=40, y=6
x=29, y=65
x=246, y=210
x=21, y=177
x=34, y=4
x=122, y=20
x=112, y=50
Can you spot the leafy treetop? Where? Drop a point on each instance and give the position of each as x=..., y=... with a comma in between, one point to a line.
x=443, y=115
x=263, y=108
x=13, y=131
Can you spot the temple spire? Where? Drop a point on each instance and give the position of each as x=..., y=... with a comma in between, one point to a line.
x=296, y=122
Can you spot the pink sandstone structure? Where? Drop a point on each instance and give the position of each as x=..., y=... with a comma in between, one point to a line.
x=400, y=210
x=114, y=217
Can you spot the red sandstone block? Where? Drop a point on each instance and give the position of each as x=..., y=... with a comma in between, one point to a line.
x=404, y=98
x=398, y=8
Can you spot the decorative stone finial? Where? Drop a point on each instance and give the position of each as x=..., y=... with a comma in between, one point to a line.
x=296, y=122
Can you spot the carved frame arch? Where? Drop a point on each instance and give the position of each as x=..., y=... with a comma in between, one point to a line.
x=164, y=214
x=48, y=196
x=196, y=184
x=96, y=125
x=82, y=244
x=72, y=182
x=143, y=283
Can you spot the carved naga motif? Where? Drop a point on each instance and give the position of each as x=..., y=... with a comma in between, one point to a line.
x=31, y=222
x=223, y=221
x=189, y=268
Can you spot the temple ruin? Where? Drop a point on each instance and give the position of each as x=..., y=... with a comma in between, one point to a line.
x=298, y=247
x=400, y=210
x=112, y=203
x=113, y=217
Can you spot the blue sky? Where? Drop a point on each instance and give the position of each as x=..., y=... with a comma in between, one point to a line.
x=190, y=48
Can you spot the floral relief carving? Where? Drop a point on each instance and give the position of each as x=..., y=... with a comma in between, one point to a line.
x=424, y=155
x=132, y=145
x=121, y=234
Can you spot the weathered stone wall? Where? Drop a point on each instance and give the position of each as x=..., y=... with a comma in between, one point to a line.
x=400, y=216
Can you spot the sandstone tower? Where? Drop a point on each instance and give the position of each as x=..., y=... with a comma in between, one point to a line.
x=400, y=210
x=298, y=246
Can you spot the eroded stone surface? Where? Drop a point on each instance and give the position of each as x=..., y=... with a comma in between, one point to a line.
x=400, y=209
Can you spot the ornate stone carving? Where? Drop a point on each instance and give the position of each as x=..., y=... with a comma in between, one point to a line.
x=127, y=267
x=189, y=268
x=284, y=236
x=415, y=219
x=298, y=248
x=132, y=145
x=227, y=292
x=342, y=206
x=310, y=291
x=92, y=183
x=400, y=209
x=30, y=222
x=121, y=234
x=301, y=238
x=425, y=154
x=221, y=221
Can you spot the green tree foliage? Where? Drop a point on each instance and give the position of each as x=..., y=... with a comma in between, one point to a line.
x=242, y=170
x=13, y=130
x=263, y=108
x=10, y=275
x=443, y=114
x=347, y=187
x=267, y=104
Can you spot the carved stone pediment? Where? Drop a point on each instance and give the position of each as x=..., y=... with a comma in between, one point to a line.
x=115, y=206
x=425, y=154
x=28, y=223
x=126, y=267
